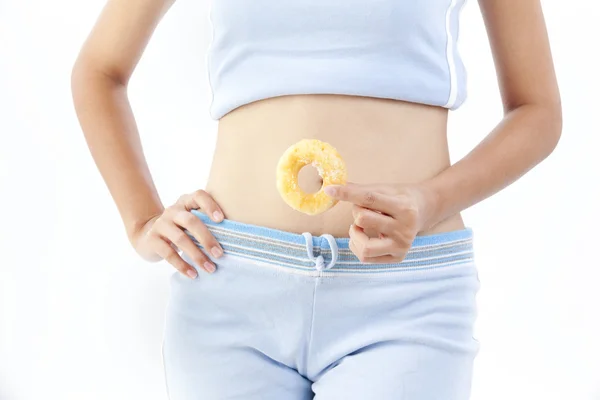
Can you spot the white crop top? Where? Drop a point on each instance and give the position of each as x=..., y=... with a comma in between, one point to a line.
x=396, y=49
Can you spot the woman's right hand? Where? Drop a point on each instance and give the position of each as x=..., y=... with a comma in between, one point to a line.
x=163, y=235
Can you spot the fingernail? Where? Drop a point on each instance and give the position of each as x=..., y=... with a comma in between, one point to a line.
x=218, y=216
x=216, y=251
x=209, y=267
x=191, y=273
x=330, y=190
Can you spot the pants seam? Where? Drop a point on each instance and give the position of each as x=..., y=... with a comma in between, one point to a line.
x=311, y=327
x=166, y=380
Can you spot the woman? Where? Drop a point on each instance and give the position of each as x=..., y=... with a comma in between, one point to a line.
x=375, y=298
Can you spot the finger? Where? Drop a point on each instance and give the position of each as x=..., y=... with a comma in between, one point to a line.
x=362, y=196
x=386, y=259
x=367, y=248
x=169, y=254
x=360, y=222
x=199, y=231
x=203, y=201
x=179, y=238
x=354, y=249
x=358, y=235
x=376, y=187
x=372, y=221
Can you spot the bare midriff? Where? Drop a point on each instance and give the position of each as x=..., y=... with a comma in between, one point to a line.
x=380, y=140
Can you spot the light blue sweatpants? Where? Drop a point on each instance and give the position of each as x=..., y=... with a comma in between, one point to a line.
x=296, y=317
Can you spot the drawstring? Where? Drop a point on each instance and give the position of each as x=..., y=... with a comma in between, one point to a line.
x=319, y=261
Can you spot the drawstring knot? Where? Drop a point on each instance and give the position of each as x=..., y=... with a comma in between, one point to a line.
x=319, y=260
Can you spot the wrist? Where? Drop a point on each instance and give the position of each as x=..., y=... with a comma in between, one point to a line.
x=140, y=226
x=140, y=245
x=429, y=205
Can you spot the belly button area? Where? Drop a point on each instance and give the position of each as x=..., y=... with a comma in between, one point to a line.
x=309, y=179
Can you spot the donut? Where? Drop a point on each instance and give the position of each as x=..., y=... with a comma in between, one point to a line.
x=328, y=162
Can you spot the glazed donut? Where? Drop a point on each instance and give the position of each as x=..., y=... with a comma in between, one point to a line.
x=328, y=162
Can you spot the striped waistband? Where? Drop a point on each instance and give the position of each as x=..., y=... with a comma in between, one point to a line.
x=289, y=250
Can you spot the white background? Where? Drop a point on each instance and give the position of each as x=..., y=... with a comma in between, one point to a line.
x=81, y=317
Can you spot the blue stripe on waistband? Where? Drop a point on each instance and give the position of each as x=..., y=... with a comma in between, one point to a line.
x=288, y=250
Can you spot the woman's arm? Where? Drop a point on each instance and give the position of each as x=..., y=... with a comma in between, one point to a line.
x=528, y=133
x=532, y=123
x=99, y=86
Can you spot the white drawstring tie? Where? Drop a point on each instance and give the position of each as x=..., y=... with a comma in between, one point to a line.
x=319, y=261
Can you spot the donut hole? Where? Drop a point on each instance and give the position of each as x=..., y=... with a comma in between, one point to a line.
x=309, y=179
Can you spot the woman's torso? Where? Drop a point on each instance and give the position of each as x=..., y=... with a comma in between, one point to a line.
x=381, y=141
x=272, y=68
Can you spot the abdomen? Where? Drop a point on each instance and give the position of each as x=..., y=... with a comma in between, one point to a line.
x=381, y=141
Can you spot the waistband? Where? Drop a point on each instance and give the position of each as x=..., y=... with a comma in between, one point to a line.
x=304, y=252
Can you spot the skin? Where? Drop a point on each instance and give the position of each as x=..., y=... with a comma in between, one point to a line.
x=417, y=191
x=528, y=133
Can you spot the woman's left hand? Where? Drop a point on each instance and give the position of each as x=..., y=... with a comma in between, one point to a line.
x=387, y=218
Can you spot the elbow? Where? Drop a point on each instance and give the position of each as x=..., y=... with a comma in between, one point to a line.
x=79, y=84
x=553, y=125
x=86, y=73
x=89, y=80
x=78, y=71
x=544, y=124
x=82, y=80
x=542, y=119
